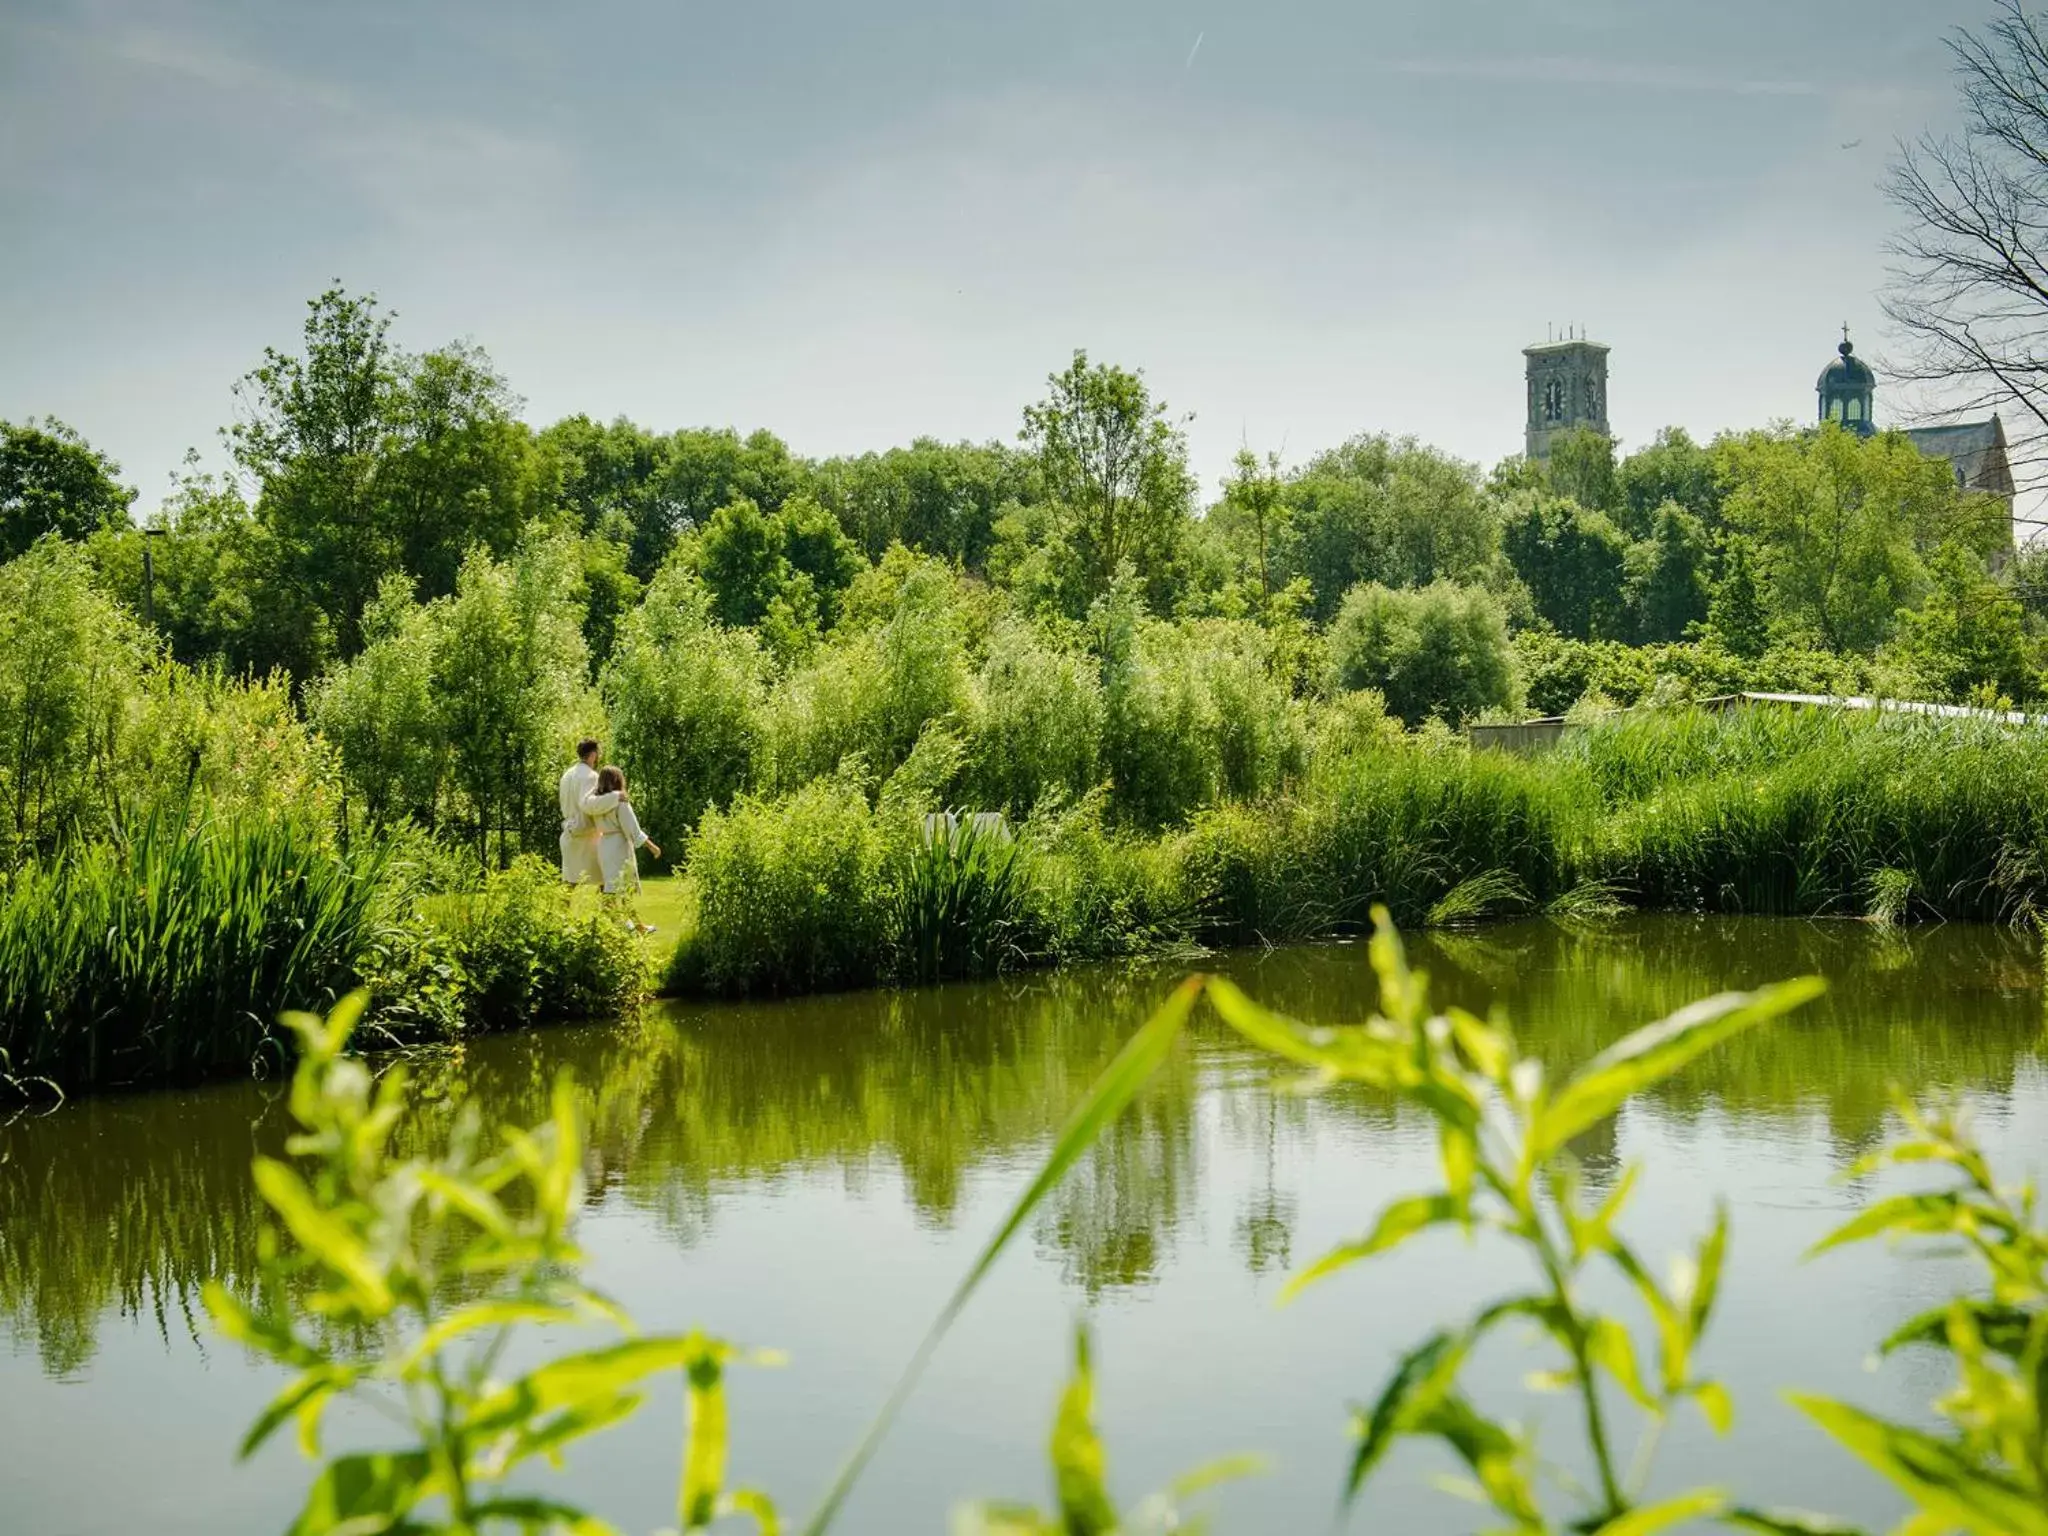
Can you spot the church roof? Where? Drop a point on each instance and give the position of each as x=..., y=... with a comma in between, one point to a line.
x=1847, y=371
x=1966, y=444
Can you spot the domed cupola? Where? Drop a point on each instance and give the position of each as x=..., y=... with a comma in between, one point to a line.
x=1848, y=390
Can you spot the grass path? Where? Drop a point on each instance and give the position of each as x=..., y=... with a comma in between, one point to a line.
x=662, y=902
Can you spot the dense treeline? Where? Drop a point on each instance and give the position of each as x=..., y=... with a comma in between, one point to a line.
x=381, y=625
x=360, y=475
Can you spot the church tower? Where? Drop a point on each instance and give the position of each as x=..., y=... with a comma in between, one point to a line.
x=1848, y=391
x=1567, y=390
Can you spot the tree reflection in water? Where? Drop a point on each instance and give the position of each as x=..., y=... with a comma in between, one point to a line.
x=124, y=1206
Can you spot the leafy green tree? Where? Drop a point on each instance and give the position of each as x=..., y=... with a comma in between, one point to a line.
x=368, y=461
x=684, y=694
x=1435, y=652
x=52, y=481
x=1839, y=526
x=1968, y=638
x=1390, y=511
x=508, y=681
x=1581, y=469
x=613, y=471
x=609, y=588
x=708, y=468
x=71, y=663
x=216, y=585
x=1116, y=466
x=457, y=467
x=2028, y=575
x=1735, y=615
x=791, y=565
x=1672, y=469
x=817, y=547
x=1574, y=562
x=1253, y=498
x=941, y=498
x=380, y=712
x=663, y=485
x=740, y=555
x=310, y=437
x=1667, y=577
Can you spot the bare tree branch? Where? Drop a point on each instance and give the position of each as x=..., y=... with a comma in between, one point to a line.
x=1969, y=284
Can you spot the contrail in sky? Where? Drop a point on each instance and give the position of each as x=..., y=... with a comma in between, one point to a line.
x=1194, y=50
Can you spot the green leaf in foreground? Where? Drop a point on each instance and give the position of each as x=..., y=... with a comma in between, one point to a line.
x=1398, y=1222
x=1934, y=1474
x=1787, y=1522
x=1659, y=1050
x=1119, y=1083
x=1648, y=1519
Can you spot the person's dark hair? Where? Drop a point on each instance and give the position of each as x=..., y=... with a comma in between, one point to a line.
x=610, y=779
x=586, y=749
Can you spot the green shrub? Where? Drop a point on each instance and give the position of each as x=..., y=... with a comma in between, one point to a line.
x=524, y=956
x=1093, y=892
x=792, y=894
x=1556, y=673
x=237, y=746
x=870, y=693
x=1036, y=721
x=1960, y=808
x=380, y=715
x=1160, y=728
x=171, y=956
x=1194, y=713
x=1437, y=652
x=1403, y=828
x=1261, y=738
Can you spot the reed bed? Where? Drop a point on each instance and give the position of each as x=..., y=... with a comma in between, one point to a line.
x=168, y=957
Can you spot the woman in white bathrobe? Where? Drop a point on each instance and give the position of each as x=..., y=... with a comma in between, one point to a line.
x=619, y=834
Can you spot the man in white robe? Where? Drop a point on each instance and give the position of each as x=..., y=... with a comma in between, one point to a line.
x=578, y=797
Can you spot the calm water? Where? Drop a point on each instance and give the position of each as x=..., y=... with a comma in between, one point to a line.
x=815, y=1175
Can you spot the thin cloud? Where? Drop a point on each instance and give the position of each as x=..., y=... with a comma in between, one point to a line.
x=416, y=167
x=1564, y=70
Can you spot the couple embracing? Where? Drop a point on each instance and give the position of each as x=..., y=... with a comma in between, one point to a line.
x=600, y=832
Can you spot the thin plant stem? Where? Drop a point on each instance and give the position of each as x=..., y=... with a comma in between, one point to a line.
x=1575, y=1341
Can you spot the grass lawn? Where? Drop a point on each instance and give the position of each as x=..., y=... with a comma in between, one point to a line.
x=662, y=902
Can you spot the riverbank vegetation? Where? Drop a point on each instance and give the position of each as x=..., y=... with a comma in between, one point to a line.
x=302, y=730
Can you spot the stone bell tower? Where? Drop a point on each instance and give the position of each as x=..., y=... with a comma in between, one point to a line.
x=1567, y=390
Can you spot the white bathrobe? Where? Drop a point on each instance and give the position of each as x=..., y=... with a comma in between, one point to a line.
x=580, y=861
x=619, y=835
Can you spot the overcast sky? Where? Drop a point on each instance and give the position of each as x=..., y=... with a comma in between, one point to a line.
x=855, y=224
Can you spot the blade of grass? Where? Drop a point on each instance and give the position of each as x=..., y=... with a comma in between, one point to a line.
x=1111, y=1093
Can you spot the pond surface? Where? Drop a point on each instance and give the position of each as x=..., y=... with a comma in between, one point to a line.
x=815, y=1175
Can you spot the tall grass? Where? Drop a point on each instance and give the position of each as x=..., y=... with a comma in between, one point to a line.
x=1761, y=811
x=960, y=902
x=1958, y=810
x=1405, y=826
x=170, y=956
